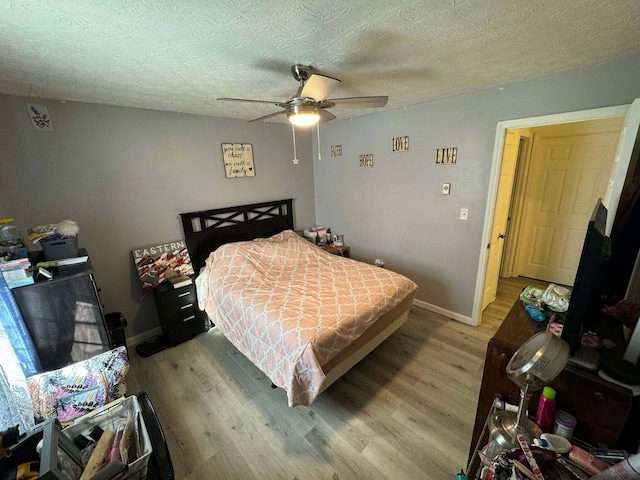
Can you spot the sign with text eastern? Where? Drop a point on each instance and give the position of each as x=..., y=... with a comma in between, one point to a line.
x=238, y=160
x=152, y=262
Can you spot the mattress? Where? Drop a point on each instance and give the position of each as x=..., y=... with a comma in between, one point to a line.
x=290, y=307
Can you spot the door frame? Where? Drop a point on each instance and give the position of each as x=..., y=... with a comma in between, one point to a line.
x=501, y=130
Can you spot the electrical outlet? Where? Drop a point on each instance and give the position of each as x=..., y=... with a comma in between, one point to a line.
x=446, y=188
x=464, y=214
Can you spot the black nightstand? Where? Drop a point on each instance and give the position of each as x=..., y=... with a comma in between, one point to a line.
x=180, y=317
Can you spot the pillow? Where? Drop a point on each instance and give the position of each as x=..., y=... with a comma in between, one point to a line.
x=78, y=404
x=114, y=364
x=103, y=374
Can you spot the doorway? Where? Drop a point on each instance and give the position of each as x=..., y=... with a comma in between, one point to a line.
x=614, y=183
x=568, y=171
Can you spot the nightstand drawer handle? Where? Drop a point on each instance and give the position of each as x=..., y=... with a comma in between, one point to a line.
x=188, y=318
x=188, y=305
x=184, y=294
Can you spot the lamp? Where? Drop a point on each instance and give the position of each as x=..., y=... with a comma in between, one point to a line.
x=303, y=115
x=536, y=363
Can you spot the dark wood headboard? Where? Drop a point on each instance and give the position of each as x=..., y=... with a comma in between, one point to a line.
x=206, y=230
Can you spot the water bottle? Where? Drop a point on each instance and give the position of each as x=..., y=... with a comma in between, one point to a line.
x=546, y=409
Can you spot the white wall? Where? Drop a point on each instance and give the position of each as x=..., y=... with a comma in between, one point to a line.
x=126, y=174
x=395, y=211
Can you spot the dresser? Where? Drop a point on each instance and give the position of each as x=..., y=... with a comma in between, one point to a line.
x=64, y=315
x=180, y=317
x=605, y=412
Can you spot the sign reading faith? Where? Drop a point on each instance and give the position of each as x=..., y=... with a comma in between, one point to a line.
x=336, y=150
x=366, y=160
x=400, y=144
x=238, y=160
x=447, y=155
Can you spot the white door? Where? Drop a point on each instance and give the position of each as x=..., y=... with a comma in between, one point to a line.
x=570, y=168
x=501, y=215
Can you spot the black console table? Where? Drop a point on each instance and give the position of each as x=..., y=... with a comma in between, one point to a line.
x=64, y=315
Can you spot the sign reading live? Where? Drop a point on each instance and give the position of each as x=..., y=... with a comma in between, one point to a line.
x=153, y=262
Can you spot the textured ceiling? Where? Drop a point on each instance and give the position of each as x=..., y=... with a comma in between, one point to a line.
x=181, y=55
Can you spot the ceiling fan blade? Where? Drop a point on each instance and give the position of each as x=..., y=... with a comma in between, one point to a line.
x=355, y=102
x=268, y=116
x=318, y=86
x=248, y=100
x=325, y=116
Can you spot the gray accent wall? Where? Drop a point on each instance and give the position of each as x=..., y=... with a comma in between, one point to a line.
x=396, y=212
x=126, y=174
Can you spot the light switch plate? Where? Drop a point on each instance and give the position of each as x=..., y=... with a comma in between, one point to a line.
x=446, y=188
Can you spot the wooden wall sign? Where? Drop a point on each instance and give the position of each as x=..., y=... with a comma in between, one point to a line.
x=336, y=150
x=366, y=160
x=447, y=156
x=400, y=144
x=238, y=160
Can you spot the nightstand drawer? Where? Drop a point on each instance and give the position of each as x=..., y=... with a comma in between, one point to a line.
x=186, y=325
x=174, y=301
x=180, y=317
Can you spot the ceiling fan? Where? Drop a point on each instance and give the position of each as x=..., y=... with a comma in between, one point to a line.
x=309, y=105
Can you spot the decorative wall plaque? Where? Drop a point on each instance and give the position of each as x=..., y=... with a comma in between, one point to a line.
x=366, y=160
x=336, y=150
x=238, y=160
x=40, y=118
x=152, y=262
x=447, y=155
x=400, y=144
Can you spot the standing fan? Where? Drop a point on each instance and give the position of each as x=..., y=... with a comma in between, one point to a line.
x=309, y=104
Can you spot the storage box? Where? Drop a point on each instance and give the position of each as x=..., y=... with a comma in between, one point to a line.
x=59, y=248
x=104, y=418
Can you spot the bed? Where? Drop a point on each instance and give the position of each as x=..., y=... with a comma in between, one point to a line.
x=300, y=314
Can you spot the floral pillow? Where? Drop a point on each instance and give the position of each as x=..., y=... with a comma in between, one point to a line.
x=78, y=404
x=79, y=388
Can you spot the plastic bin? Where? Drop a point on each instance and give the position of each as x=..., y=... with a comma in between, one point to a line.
x=160, y=464
x=59, y=248
x=11, y=241
x=104, y=417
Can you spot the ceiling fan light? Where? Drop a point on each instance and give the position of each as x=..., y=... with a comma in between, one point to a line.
x=302, y=116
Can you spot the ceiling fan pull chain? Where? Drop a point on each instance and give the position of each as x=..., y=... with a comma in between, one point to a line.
x=318, y=130
x=295, y=156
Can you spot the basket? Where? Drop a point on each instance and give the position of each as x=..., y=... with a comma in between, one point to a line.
x=59, y=248
x=105, y=416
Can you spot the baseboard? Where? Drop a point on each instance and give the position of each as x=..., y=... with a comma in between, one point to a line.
x=444, y=312
x=134, y=340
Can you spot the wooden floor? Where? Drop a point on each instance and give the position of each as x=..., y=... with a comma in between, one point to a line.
x=405, y=412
